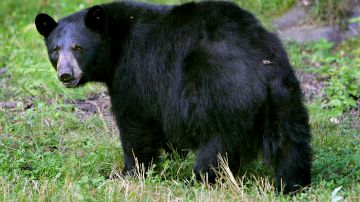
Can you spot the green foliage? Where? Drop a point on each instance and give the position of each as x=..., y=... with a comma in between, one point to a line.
x=44, y=142
x=355, y=20
x=336, y=147
x=343, y=72
x=266, y=10
x=339, y=68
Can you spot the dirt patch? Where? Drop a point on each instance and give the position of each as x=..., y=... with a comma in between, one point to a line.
x=95, y=103
x=98, y=103
x=355, y=115
x=312, y=85
x=3, y=70
x=16, y=105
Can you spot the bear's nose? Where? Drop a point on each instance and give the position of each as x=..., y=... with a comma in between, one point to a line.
x=66, y=77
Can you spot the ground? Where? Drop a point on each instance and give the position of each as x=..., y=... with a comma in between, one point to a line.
x=298, y=24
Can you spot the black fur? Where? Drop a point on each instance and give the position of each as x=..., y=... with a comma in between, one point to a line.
x=202, y=76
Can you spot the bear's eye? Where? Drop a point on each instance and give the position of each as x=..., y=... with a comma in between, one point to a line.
x=76, y=47
x=55, y=50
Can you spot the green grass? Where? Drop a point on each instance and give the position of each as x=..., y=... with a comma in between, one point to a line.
x=47, y=153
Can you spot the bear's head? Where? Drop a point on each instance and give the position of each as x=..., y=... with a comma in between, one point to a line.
x=76, y=45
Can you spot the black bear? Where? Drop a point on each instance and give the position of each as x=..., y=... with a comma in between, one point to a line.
x=202, y=76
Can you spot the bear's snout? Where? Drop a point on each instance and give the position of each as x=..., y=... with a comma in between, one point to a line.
x=69, y=72
x=66, y=76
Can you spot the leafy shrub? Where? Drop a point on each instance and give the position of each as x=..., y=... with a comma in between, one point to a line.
x=339, y=67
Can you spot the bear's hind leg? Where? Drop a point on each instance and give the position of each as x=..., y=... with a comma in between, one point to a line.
x=290, y=159
x=292, y=166
x=286, y=143
x=287, y=149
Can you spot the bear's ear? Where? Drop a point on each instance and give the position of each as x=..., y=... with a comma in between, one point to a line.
x=95, y=18
x=45, y=24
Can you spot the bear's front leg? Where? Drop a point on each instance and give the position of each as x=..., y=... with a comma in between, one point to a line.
x=208, y=158
x=141, y=143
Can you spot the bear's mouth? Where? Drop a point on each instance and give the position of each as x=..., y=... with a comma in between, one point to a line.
x=73, y=83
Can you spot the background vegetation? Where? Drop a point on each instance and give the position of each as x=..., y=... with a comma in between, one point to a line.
x=331, y=11
x=48, y=153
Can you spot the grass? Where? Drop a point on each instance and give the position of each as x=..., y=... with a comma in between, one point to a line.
x=47, y=153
